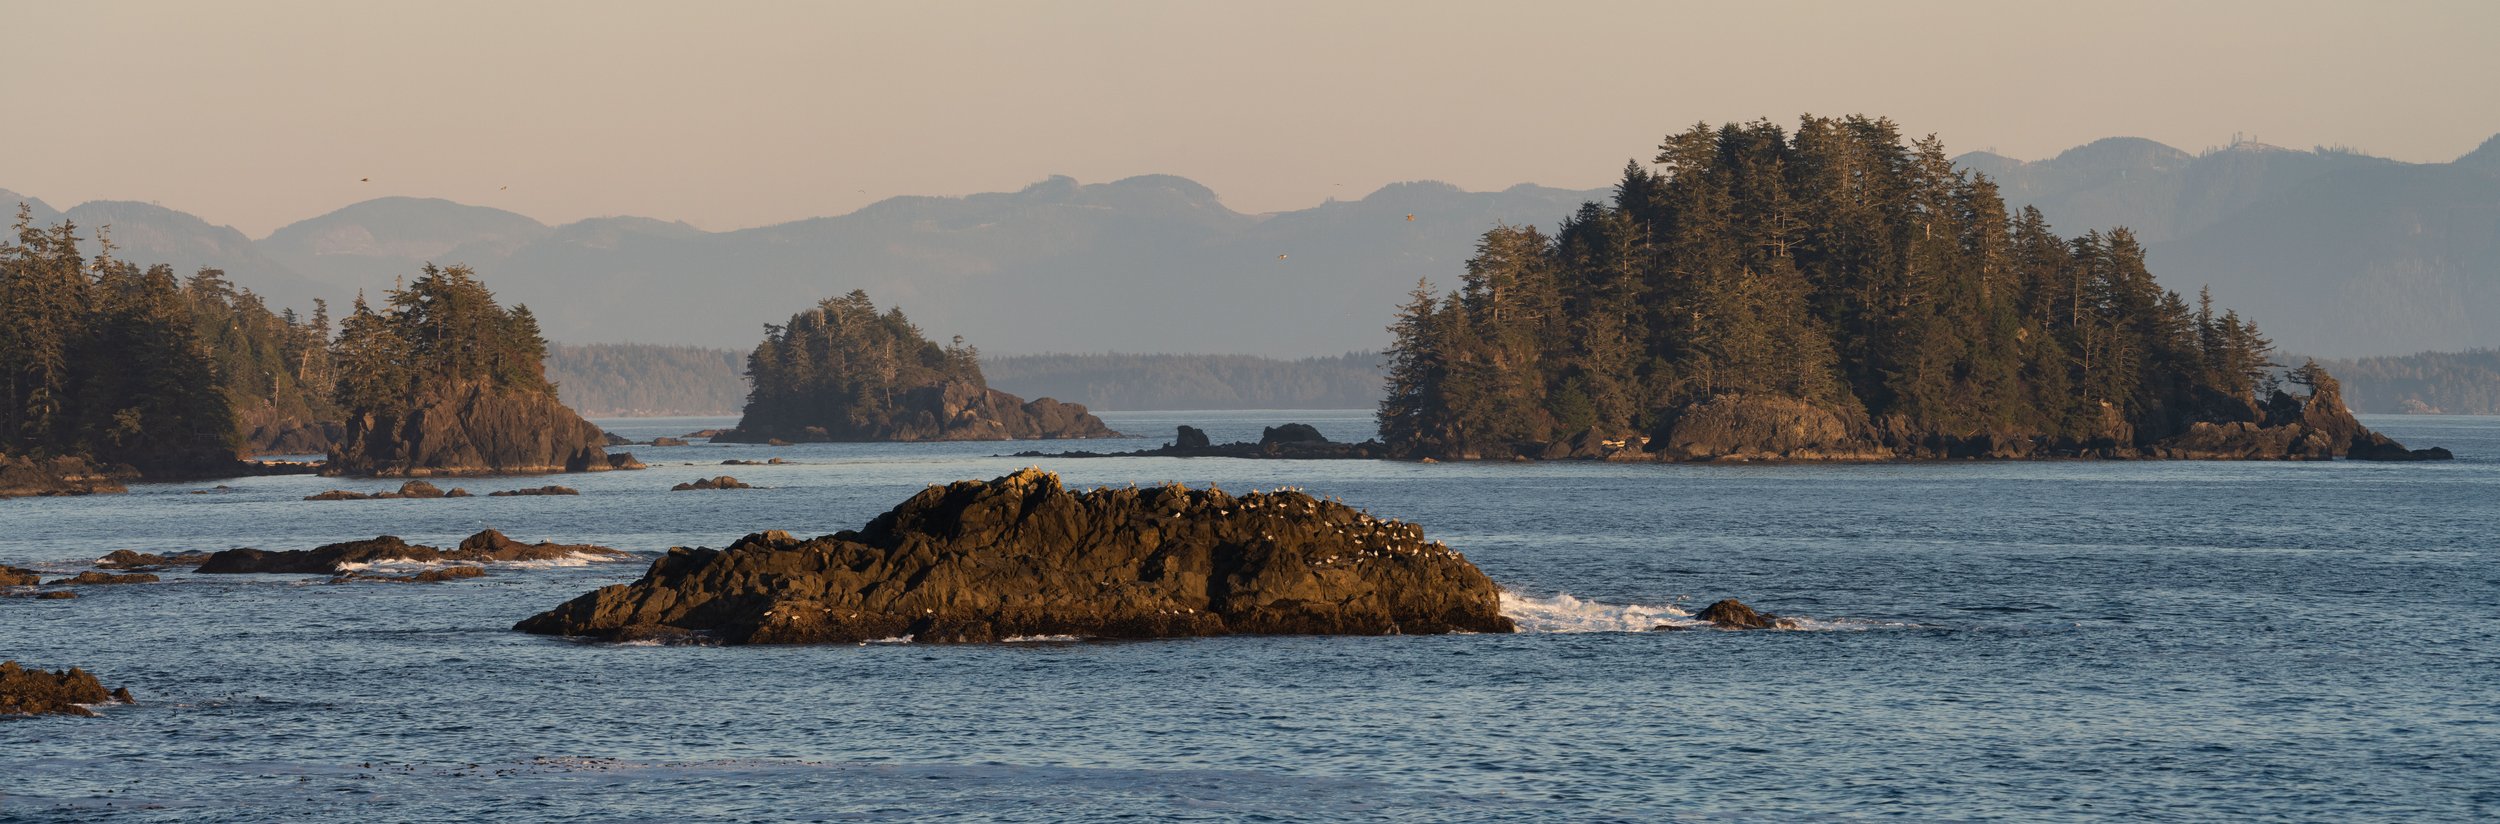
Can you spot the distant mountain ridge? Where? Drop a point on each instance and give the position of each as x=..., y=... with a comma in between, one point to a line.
x=2331, y=251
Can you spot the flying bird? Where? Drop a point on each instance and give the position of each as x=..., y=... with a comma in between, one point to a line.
x=364, y=180
x=1410, y=217
x=1280, y=257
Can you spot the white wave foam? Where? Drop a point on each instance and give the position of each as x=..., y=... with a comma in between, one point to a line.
x=570, y=559
x=1041, y=639
x=1564, y=613
x=899, y=639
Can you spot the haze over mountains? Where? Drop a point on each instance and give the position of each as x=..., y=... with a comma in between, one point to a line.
x=2332, y=252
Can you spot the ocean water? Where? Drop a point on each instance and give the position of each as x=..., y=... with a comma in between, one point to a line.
x=1988, y=641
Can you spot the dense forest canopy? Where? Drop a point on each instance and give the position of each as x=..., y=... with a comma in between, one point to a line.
x=440, y=330
x=100, y=359
x=1836, y=265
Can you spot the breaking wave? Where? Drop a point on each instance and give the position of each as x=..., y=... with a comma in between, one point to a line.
x=1564, y=613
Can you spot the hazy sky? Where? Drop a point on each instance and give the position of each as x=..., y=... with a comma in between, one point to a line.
x=738, y=114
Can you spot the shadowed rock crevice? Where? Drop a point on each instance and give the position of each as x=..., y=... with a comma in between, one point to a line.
x=979, y=561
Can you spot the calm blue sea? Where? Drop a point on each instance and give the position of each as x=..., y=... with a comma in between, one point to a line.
x=1990, y=641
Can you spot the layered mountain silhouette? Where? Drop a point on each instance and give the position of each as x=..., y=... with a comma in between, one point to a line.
x=2334, y=252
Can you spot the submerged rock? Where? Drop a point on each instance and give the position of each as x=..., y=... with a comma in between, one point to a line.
x=550, y=489
x=18, y=576
x=667, y=441
x=36, y=692
x=722, y=482
x=57, y=595
x=979, y=561
x=411, y=489
x=489, y=546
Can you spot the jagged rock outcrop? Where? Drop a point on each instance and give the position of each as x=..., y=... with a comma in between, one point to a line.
x=1190, y=437
x=2315, y=428
x=485, y=547
x=722, y=482
x=22, y=476
x=1019, y=555
x=473, y=428
x=953, y=411
x=36, y=692
x=18, y=576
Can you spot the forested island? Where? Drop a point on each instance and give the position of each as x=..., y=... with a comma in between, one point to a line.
x=843, y=371
x=109, y=372
x=1835, y=293
x=444, y=381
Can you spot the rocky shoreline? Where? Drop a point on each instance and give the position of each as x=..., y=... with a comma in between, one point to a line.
x=1019, y=555
x=1745, y=429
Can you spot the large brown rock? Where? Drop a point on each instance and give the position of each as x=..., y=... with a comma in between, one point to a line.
x=473, y=428
x=36, y=692
x=94, y=578
x=18, y=576
x=1767, y=427
x=489, y=546
x=1019, y=555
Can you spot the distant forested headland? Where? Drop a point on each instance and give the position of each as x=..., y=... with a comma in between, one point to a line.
x=2430, y=383
x=632, y=380
x=1832, y=292
x=1133, y=382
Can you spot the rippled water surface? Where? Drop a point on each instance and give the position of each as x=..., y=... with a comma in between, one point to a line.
x=2031, y=641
